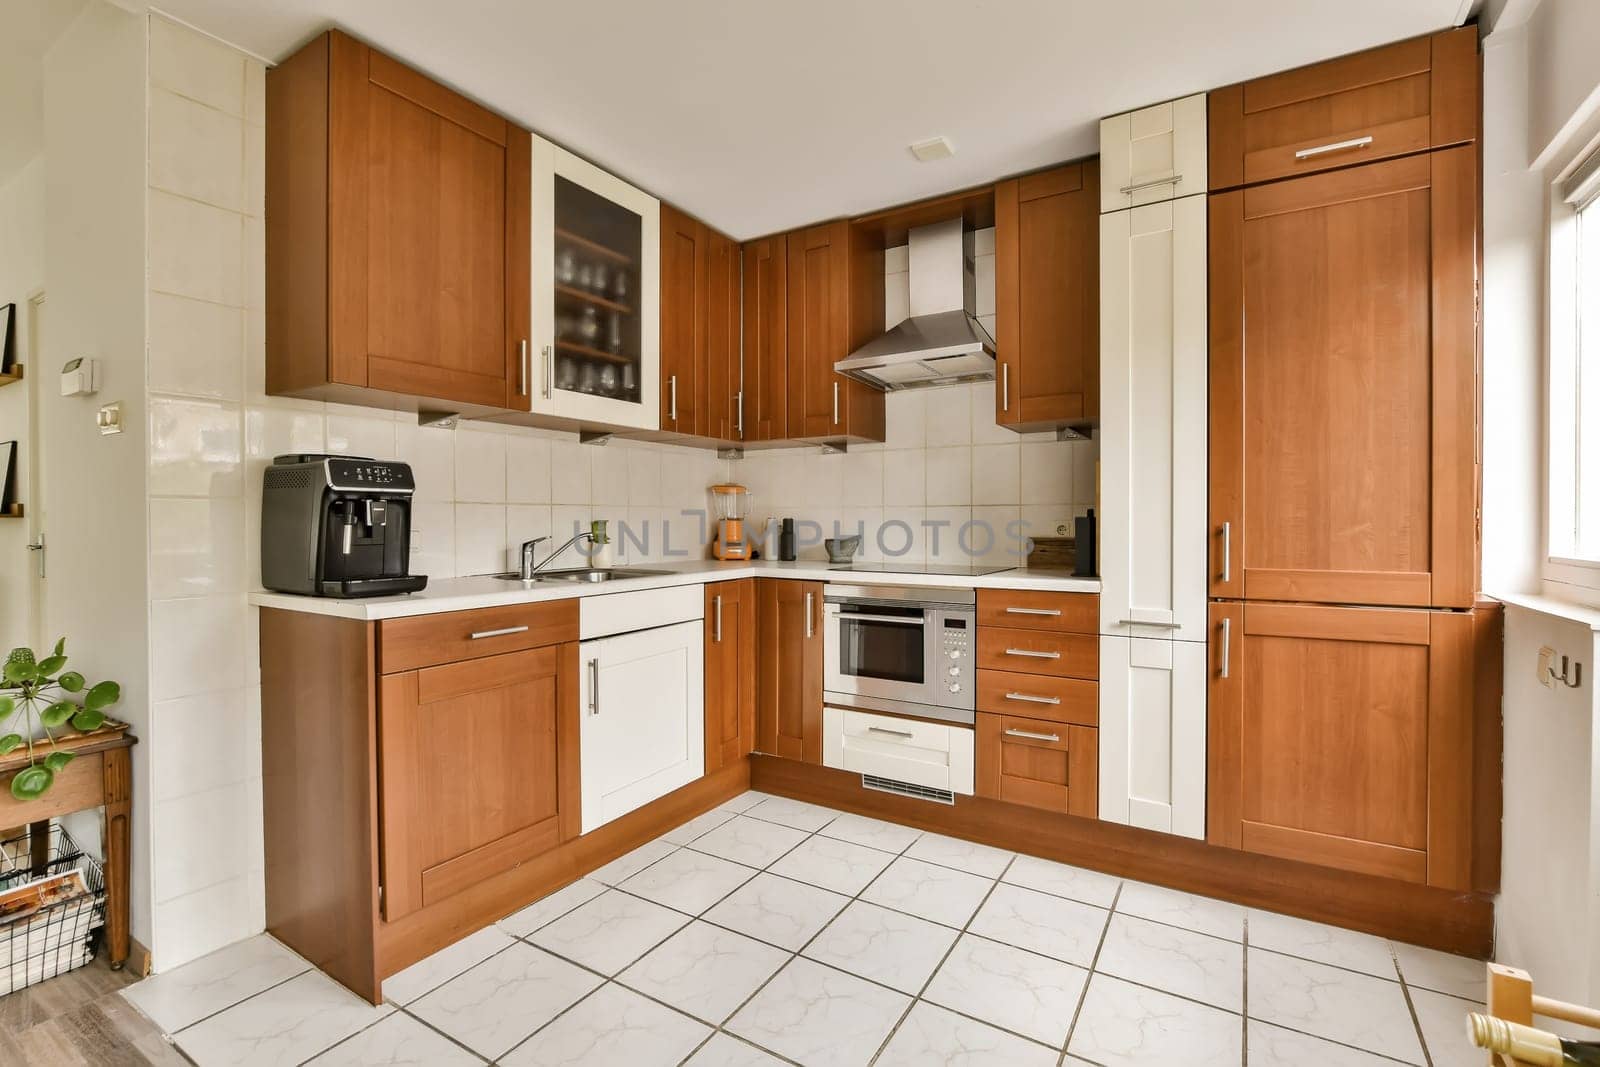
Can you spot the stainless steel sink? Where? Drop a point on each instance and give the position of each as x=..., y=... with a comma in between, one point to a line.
x=581, y=574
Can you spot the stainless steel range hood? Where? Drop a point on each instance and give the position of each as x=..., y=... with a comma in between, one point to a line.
x=941, y=341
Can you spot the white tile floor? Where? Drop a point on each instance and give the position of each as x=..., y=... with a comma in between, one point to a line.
x=773, y=931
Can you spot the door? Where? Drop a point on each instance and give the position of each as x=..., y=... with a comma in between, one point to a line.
x=430, y=182
x=596, y=291
x=478, y=770
x=1153, y=420
x=789, y=668
x=730, y=674
x=642, y=700
x=1335, y=734
x=37, y=564
x=1343, y=385
x=1037, y=762
x=818, y=319
x=683, y=319
x=1153, y=734
x=1047, y=298
x=1156, y=153
x=765, y=394
x=721, y=405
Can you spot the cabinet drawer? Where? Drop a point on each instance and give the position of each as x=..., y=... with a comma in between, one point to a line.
x=1029, y=609
x=936, y=755
x=1038, y=763
x=426, y=640
x=1402, y=98
x=1040, y=696
x=1036, y=652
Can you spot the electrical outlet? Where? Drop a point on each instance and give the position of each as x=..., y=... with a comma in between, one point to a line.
x=109, y=418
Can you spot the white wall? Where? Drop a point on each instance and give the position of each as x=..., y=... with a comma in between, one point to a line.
x=21, y=275
x=1566, y=75
x=94, y=118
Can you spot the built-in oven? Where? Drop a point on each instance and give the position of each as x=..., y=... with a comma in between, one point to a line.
x=904, y=649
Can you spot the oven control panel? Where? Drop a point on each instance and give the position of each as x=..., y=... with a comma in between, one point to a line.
x=953, y=672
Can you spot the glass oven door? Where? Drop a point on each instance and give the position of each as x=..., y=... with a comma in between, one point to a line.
x=880, y=650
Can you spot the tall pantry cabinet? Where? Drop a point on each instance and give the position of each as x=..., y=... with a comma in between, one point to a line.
x=1153, y=467
x=1345, y=707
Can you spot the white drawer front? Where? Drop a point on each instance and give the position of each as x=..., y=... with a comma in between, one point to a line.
x=643, y=609
x=935, y=755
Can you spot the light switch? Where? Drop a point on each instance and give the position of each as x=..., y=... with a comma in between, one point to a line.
x=109, y=418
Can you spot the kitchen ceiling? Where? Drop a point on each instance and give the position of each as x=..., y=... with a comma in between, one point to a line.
x=761, y=116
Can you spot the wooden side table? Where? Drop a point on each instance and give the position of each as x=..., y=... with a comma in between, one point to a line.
x=101, y=775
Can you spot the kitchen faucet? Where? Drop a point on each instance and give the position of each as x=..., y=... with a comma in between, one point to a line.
x=528, y=570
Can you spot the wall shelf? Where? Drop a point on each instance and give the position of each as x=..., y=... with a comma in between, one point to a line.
x=12, y=375
x=13, y=512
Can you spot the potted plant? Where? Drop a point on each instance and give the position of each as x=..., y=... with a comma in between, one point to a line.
x=47, y=696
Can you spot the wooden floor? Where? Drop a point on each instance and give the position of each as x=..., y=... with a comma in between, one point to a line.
x=79, y=1020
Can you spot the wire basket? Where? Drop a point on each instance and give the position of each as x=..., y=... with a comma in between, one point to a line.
x=60, y=936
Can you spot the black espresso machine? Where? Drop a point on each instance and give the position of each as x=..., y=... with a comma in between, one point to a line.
x=337, y=526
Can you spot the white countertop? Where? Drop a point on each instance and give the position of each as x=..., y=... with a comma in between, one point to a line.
x=461, y=594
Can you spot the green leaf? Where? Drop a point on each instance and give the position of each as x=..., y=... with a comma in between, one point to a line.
x=88, y=721
x=31, y=782
x=20, y=671
x=47, y=667
x=9, y=743
x=61, y=647
x=57, y=760
x=103, y=696
x=58, y=713
x=72, y=681
x=7, y=706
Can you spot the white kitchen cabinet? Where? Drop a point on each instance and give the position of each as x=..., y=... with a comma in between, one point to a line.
x=593, y=356
x=929, y=754
x=1153, y=734
x=1153, y=523
x=1153, y=154
x=641, y=705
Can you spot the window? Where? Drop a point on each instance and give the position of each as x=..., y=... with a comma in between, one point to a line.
x=1574, y=398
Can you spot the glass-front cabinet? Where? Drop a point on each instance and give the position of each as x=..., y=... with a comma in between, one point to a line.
x=593, y=356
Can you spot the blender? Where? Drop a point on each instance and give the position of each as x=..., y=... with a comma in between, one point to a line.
x=732, y=504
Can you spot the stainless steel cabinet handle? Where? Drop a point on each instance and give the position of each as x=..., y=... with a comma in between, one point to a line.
x=672, y=405
x=1005, y=387
x=1171, y=179
x=836, y=403
x=1227, y=635
x=1033, y=699
x=481, y=634
x=1227, y=552
x=594, y=686
x=810, y=629
x=1033, y=611
x=898, y=620
x=907, y=734
x=549, y=371
x=717, y=618
x=738, y=399
x=1336, y=146
x=1031, y=736
x=1142, y=622
x=1032, y=654
x=522, y=368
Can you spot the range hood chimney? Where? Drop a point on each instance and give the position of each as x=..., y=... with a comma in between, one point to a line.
x=941, y=342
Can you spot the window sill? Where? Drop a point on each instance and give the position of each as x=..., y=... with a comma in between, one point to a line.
x=1546, y=605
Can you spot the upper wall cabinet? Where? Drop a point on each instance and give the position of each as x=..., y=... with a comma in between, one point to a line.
x=592, y=355
x=700, y=378
x=835, y=298
x=1156, y=153
x=764, y=397
x=397, y=234
x=1392, y=101
x=1047, y=298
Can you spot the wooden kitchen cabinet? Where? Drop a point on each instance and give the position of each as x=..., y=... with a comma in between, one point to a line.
x=1047, y=298
x=1343, y=385
x=835, y=304
x=1402, y=98
x=1037, y=762
x=789, y=668
x=1348, y=737
x=479, y=772
x=730, y=672
x=766, y=339
x=721, y=405
x=397, y=234
x=684, y=243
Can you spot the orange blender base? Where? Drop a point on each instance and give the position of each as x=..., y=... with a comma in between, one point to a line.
x=730, y=543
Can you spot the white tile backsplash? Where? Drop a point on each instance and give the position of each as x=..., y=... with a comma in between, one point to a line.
x=196, y=347
x=196, y=151
x=199, y=67
x=195, y=249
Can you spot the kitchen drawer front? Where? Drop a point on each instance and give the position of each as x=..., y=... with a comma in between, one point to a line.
x=935, y=755
x=428, y=640
x=1028, y=609
x=1040, y=696
x=1406, y=97
x=641, y=609
x=1036, y=652
x=1038, y=763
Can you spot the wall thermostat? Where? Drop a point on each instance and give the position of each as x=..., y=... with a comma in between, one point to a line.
x=80, y=377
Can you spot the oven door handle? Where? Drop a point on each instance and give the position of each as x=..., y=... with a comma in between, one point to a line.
x=898, y=620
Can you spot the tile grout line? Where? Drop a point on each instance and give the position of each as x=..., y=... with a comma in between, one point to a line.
x=1244, y=993
x=1094, y=965
x=1416, y=1021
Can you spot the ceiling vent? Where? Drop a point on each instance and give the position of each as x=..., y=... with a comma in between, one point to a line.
x=932, y=149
